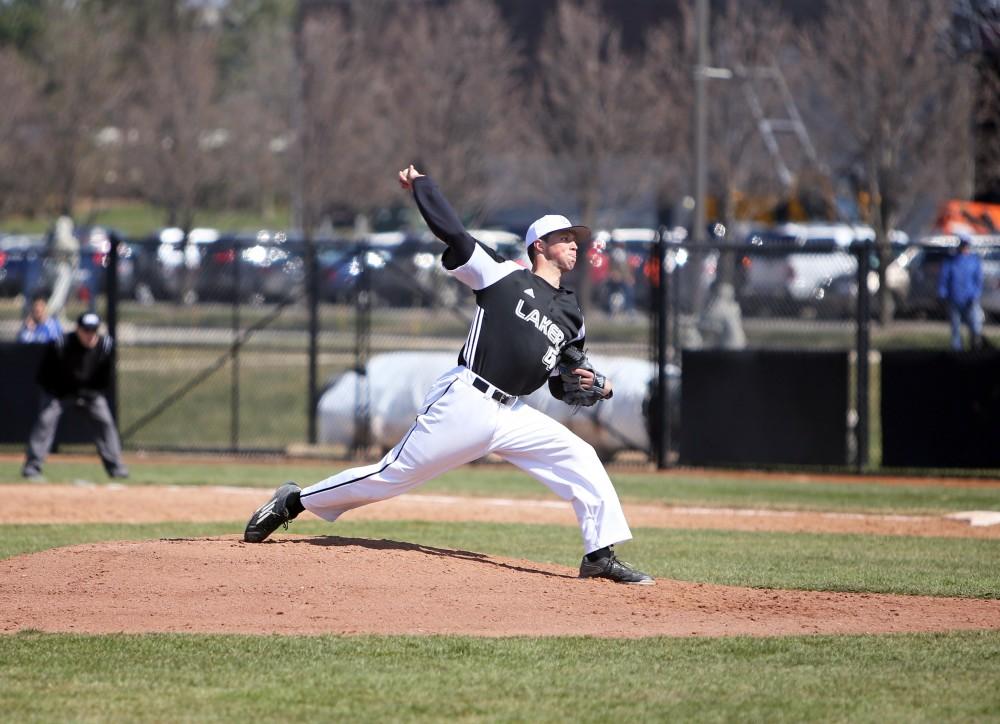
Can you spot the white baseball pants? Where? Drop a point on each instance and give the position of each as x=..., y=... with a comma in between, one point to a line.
x=457, y=424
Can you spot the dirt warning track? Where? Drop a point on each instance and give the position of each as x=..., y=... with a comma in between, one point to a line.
x=49, y=503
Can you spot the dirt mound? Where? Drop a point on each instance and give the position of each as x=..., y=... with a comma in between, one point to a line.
x=314, y=585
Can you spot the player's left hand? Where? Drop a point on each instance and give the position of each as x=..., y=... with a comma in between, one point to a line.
x=582, y=384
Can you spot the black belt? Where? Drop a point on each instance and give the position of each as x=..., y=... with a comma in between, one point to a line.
x=483, y=386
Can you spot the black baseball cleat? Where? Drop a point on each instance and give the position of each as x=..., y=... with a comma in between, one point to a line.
x=272, y=514
x=614, y=570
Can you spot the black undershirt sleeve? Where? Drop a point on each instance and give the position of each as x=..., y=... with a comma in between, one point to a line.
x=443, y=222
x=556, y=387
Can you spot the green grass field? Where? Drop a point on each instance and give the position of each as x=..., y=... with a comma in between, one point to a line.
x=913, y=678
x=919, y=678
x=138, y=219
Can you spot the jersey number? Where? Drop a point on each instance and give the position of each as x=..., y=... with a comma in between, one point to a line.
x=550, y=359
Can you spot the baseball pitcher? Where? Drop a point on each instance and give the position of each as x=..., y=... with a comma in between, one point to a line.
x=527, y=331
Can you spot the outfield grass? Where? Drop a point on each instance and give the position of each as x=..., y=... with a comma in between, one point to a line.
x=272, y=410
x=913, y=678
x=139, y=219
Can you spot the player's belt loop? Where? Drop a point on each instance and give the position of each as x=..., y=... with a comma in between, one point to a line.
x=485, y=387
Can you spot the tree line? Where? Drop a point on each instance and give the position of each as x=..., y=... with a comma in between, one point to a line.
x=313, y=105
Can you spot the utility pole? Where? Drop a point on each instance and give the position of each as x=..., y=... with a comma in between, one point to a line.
x=703, y=72
x=302, y=208
x=700, y=120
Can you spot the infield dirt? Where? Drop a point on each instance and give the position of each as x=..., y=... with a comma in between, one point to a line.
x=328, y=584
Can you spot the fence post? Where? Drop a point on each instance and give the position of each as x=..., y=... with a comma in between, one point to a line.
x=660, y=410
x=312, y=296
x=234, y=397
x=111, y=291
x=362, y=344
x=863, y=324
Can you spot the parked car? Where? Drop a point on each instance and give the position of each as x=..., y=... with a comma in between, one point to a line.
x=95, y=250
x=991, y=280
x=26, y=265
x=265, y=267
x=403, y=269
x=923, y=265
x=926, y=268
x=624, y=270
x=341, y=268
x=788, y=270
x=21, y=258
x=618, y=262
x=837, y=298
x=919, y=266
x=167, y=263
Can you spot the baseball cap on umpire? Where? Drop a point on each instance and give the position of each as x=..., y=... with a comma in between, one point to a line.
x=553, y=222
x=88, y=321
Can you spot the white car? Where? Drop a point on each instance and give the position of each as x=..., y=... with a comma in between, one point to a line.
x=988, y=247
x=788, y=269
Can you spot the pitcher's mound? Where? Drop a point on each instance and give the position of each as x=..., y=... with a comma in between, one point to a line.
x=314, y=585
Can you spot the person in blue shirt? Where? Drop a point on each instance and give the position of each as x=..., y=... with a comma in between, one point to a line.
x=960, y=285
x=38, y=327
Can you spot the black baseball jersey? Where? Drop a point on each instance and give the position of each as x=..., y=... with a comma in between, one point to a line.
x=69, y=368
x=522, y=322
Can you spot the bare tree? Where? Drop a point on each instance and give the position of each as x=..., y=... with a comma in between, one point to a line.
x=988, y=128
x=79, y=56
x=667, y=61
x=750, y=42
x=896, y=95
x=458, y=103
x=256, y=162
x=595, y=106
x=341, y=135
x=21, y=135
x=384, y=84
x=177, y=115
x=756, y=42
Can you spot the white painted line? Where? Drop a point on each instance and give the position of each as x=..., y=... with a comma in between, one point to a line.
x=977, y=518
x=756, y=512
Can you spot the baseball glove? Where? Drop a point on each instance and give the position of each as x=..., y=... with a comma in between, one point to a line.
x=573, y=358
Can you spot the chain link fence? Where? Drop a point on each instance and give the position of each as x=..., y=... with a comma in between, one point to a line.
x=272, y=343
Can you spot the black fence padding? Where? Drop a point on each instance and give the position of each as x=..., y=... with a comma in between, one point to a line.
x=19, y=398
x=940, y=409
x=757, y=407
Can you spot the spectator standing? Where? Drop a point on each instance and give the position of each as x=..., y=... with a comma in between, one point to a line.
x=64, y=252
x=621, y=280
x=39, y=327
x=721, y=324
x=961, y=285
x=76, y=372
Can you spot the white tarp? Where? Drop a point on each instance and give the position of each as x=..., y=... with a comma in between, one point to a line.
x=396, y=383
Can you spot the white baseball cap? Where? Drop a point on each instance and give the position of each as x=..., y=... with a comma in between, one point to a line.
x=553, y=222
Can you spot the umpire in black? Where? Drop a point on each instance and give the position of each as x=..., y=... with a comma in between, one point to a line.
x=76, y=372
